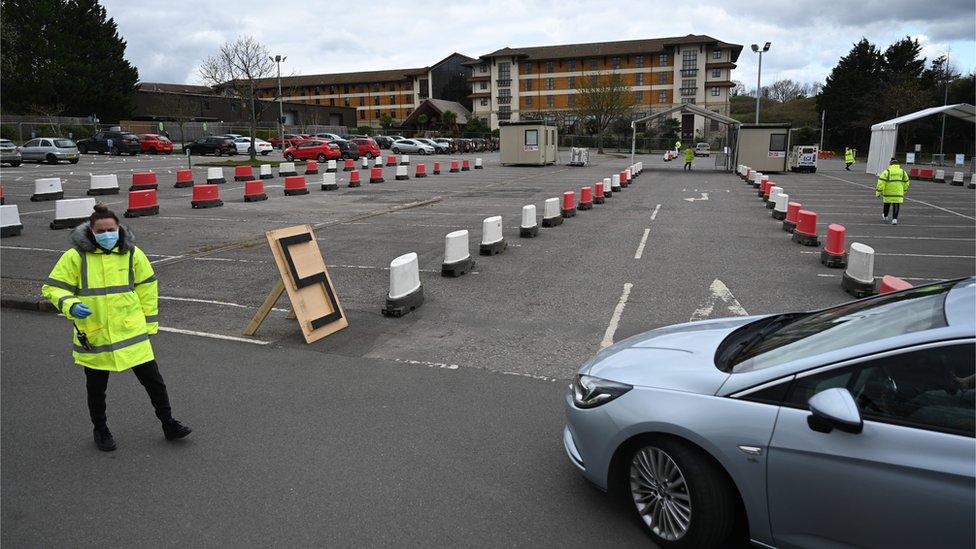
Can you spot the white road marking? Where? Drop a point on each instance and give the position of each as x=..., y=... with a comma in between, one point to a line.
x=640, y=248
x=718, y=291
x=913, y=255
x=911, y=237
x=615, y=318
x=213, y=336
x=426, y=363
x=826, y=275
x=654, y=213
x=704, y=196
x=62, y=251
x=906, y=198
x=212, y=302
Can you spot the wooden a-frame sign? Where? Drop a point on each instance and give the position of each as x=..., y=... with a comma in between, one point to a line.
x=304, y=276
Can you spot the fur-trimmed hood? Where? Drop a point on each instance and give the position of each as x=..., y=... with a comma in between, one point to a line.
x=84, y=240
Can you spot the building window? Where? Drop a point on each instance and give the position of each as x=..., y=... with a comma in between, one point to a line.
x=362, y=101
x=346, y=101
x=663, y=60
x=716, y=73
x=528, y=85
x=528, y=68
x=593, y=64
x=689, y=62
x=393, y=114
x=662, y=78
x=484, y=102
x=550, y=101
x=716, y=92
x=528, y=101
x=640, y=61
x=639, y=96
x=639, y=79
x=616, y=62
x=331, y=90
x=345, y=89
x=393, y=100
x=688, y=100
x=362, y=115
x=571, y=100
x=688, y=87
x=376, y=87
x=376, y=100
x=717, y=54
x=482, y=68
x=550, y=83
x=483, y=85
x=504, y=112
x=332, y=102
x=572, y=64
x=505, y=74
x=504, y=97
x=662, y=96
x=549, y=66
x=572, y=82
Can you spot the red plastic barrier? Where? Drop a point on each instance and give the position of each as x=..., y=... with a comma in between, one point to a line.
x=376, y=175
x=206, y=196
x=295, y=185
x=243, y=173
x=586, y=198
x=913, y=173
x=623, y=179
x=465, y=165
x=143, y=180
x=437, y=168
x=184, y=178
x=569, y=204
x=454, y=166
x=354, y=179
x=806, y=222
x=311, y=167
x=835, y=239
x=142, y=203
x=927, y=174
x=421, y=171
x=254, y=191
x=792, y=210
x=893, y=284
x=391, y=160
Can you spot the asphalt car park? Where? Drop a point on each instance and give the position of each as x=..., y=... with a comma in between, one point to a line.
x=489, y=354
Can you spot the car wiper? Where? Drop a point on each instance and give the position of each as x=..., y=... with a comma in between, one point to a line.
x=772, y=325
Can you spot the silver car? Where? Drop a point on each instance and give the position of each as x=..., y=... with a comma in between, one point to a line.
x=50, y=149
x=9, y=153
x=438, y=147
x=847, y=427
x=411, y=146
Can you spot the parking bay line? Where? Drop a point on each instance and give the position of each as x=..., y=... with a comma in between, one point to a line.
x=934, y=256
x=906, y=198
x=615, y=317
x=643, y=242
x=213, y=336
x=654, y=213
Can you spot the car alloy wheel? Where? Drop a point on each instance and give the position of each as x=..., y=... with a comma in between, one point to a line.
x=396, y=150
x=320, y=158
x=51, y=159
x=660, y=492
x=289, y=157
x=218, y=152
x=82, y=149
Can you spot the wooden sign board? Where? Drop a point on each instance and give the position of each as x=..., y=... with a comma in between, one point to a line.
x=305, y=278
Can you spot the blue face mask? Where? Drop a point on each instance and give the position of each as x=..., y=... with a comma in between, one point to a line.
x=107, y=240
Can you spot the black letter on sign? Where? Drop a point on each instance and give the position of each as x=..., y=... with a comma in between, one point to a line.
x=316, y=278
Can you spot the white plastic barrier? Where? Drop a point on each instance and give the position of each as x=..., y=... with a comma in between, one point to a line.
x=215, y=176
x=858, y=279
x=264, y=171
x=457, y=258
x=551, y=215
x=103, y=184
x=406, y=294
x=71, y=212
x=401, y=172
x=492, y=241
x=286, y=169
x=529, y=227
x=10, y=224
x=329, y=182
x=47, y=188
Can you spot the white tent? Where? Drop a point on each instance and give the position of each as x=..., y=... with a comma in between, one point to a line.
x=884, y=135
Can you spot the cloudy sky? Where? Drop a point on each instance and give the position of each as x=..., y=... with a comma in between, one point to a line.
x=167, y=40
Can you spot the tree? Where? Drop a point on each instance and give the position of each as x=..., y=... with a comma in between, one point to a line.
x=738, y=89
x=603, y=98
x=476, y=126
x=850, y=95
x=386, y=121
x=786, y=90
x=669, y=128
x=235, y=70
x=64, y=57
x=181, y=108
x=449, y=121
x=422, y=121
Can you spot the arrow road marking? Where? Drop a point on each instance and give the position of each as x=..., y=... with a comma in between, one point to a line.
x=704, y=196
x=718, y=292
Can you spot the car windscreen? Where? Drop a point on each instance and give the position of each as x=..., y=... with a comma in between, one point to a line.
x=131, y=136
x=64, y=143
x=847, y=325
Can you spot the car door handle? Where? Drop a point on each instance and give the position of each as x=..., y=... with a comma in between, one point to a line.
x=751, y=450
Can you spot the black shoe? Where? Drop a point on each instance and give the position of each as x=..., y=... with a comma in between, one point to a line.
x=174, y=430
x=103, y=439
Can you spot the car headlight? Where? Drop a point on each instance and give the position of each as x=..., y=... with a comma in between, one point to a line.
x=590, y=392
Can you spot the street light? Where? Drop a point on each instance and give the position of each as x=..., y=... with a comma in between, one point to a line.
x=281, y=110
x=756, y=49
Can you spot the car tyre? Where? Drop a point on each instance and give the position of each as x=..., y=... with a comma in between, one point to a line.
x=82, y=149
x=51, y=159
x=218, y=152
x=395, y=150
x=320, y=158
x=702, y=488
x=265, y=153
x=15, y=163
x=73, y=161
x=369, y=156
x=423, y=152
x=153, y=151
x=289, y=157
x=115, y=151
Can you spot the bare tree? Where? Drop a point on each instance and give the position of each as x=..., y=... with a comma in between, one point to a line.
x=785, y=90
x=738, y=89
x=236, y=70
x=181, y=108
x=601, y=99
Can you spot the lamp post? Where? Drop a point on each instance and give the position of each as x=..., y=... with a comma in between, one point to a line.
x=281, y=109
x=761, y=51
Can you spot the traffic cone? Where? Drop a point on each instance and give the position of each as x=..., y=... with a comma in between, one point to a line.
x=141, y=203
x=143, y=180
x=457, y=258
x=437, y=168
x=184, y=178
x=329, y=182
x=421, y=171
x=401, y=173
x=792, y=209
x=348, y=165
x=806, y=229
x=311, y=167
x=103, y=184
x=71, y=212
x=858, y=279
x=569, y=204
x=354, y=179
x=47, y=188
x=406, y=293
x=834, y=254
x=551, y=216
x=586, y=199
x=264, y=172
x=529, y=228
x=243, y=173
x=254, y=191
x=598, y=194
x=454, y=166
x=10, y=224
x=206, y=196
x=492, y=241
x=465, y=165
x=295, y=185
x=376, y=175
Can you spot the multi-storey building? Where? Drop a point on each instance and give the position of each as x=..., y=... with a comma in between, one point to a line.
x=395, y=92
x=544, y=81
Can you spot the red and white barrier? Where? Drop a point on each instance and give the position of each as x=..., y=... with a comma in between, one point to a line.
x=834, y=253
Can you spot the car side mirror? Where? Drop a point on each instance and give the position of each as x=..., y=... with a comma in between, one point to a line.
x=834, y=408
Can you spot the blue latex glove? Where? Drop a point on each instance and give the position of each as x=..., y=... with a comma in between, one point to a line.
x=80, y=310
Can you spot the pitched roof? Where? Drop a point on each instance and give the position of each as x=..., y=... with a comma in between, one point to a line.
x=622, y=47
x=364, y=77
x=439, y=106
x=174, y=88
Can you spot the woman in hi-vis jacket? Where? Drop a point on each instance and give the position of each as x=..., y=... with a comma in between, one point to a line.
x=107, y=288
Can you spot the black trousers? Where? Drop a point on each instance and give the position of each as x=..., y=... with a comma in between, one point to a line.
x=147, y=374
x=687, y=166
x=894, y=210
x=847, y=165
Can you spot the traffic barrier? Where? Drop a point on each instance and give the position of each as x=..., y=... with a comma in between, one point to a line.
x=406, y=293
x=568, y=208
x=215, y=176
x=792, y=209
x=354, y=179
x=893, y=284
x=957, y=179
x=404, y=159
x=348, y=165
x=478, y=164
x=2, y=199
x=184, y=178
x=640, y=167
x=264, y=172
x=615, y=183
x=457, y=258
x=623, y=179
x=421, y=170
x=763, y=186
x=329, y=182
x=913, y=173
x=141, y=203
x=378, y=161
x=926, y=174
x=243, y=173
x=806, y=229
x=779, y=206
x=738, y=170
x=858, y=279
x=71, y=212
x=834, y=254
x=492, y=241
x=287, y=169
x=756, y=179
x=47, y=188
x=465, y=165
x=364, y=163
x=254, y=191
x=599, y=197
x=607, y=190
x=401, y=173
x=750, y=175
x=632, y=172
x=972, y=182
x=454, y=166
x=550, y=215
x=763, y=179
x=939, y=176
x=143, y=180
x=10, y=224
x=773, y=191
x=295, y=185
x=630, y=175
x=528, y=228
x=103, y=184
x=376, y=175
x=437, y=168
x=330, y=166
x=391, y=160
x=311, y=167
x=206, y=196
x=586, y=199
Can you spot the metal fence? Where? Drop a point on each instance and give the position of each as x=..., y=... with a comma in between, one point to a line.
x=622, y=143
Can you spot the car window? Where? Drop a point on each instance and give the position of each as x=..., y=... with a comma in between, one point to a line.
x=64, y=143
x=32, y=143
x=849, y=324
x=99, y=136
x=929, y=388
x=46, y=143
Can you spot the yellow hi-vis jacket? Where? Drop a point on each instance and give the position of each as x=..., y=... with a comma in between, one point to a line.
x=892, y=185
x=689, y=155
x=677, y=145
x=121, y=290
x=849, y=156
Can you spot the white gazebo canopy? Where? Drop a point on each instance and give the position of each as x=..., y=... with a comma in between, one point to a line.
x=884, y=135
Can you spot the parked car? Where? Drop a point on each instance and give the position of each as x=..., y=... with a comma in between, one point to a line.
x=291, y=140
x=397, y=137
x=50, y=149
x=479, y=144
x=155, y=144
x=798, y=419
x=412, y=146
x=702, y=149
x=215, y=145
x=232, y=135
x=462, y=145
x=383, y=141
x=112, y=142
x=313, y=149
x=328, y=136
x=243, y=145
x=440, y=148
x=367, y=147
x=10, y=153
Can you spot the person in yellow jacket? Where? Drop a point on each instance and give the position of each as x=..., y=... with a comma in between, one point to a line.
x=848, y=158
x=677, y=147
x=107, y=288
x=892, y=185
x=689, y=158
